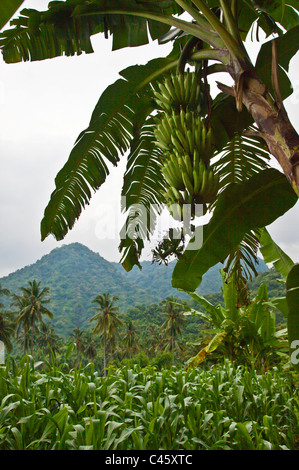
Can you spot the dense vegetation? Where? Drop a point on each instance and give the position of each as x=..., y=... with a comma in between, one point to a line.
x=49, y=406
x=212, y=374
x=75, y=275
x=139, y=379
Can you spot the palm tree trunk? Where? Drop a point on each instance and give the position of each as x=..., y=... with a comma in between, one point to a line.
x=25, y=340
x=104, y=355
x=31, y=345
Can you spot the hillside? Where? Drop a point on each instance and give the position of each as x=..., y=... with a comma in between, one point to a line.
x=76, y=275
x=157, y=278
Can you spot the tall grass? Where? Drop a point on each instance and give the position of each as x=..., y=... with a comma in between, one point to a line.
x=46, y=406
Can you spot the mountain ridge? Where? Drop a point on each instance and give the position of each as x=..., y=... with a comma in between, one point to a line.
x=76, y=275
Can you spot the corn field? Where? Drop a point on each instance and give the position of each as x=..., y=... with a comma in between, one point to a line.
x=50, y=407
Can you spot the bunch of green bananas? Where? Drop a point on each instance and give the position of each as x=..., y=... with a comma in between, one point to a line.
x=179, y=90
x=187, y=146
x=184, y=132
x=188, y=181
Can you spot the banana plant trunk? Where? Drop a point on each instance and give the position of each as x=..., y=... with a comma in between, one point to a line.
x=276, y=129
x=269, y=115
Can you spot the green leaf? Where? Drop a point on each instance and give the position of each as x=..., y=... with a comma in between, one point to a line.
x=7, y=10
x=282, y=12
x=281, y=304
x=66, y=27
x=226, y=121
x=287, y=46
x=240, y=208
x=230, y=296
x=241, y=158
x=216, y=316
x=142, y=190
x=69, y=350
x=272, y=253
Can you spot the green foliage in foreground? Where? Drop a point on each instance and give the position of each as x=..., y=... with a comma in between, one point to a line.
x=47, y=406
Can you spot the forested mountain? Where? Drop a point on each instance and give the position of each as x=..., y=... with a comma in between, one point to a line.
x=157, y=278
x=76, y=275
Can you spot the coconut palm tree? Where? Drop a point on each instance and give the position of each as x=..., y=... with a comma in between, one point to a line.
x=7, y=328
x=130, y=339
x=106, y=320
x=172, y=327
x=48, y=340
x=3, y=291
x=90, y=350
x=78, y=337
x=30, y=310
x=6, y=323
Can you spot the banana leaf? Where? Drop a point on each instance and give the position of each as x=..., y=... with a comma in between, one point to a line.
x=7, y=10
x=240, y=208
x=272, y=253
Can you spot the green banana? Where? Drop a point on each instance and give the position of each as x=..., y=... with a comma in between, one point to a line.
x=176, y=170
x=197, y=139
x=187, y=182
x=167, y=176
x=209, y=190
x=162, y=101
x=187, y=86
x=160, y=135
x=183, y=140
x=188, y=165
x=169, y=88
x=197, y=181
x=176, y=143
x=204, y=182
x=209, y=140
x=177, y=93
x=176, y=194
x=183, y=118
x=190, y=140
x=196, y=160
x=175, y=175
x=189, y=119
x=203, y=137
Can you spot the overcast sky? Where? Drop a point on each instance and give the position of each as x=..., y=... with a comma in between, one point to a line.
x=44, y=106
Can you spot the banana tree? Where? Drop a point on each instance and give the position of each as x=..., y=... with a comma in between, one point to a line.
x=288, y=305
x=248, y=120
x=245, y=334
